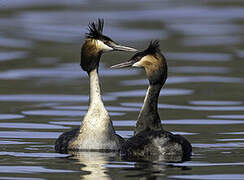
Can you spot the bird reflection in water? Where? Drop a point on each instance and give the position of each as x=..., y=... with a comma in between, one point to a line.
x=94, y=164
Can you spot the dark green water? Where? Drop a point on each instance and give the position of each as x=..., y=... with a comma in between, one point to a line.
x=43, y=92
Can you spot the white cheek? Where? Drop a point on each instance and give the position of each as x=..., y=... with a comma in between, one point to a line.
x=141, y=62
x=137, y=64
x=103, y=46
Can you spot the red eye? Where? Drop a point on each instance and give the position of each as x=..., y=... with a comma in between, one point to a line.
x=105, y=42
x=138, y=58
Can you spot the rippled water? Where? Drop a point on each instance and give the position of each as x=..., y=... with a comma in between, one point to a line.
x=43, y=92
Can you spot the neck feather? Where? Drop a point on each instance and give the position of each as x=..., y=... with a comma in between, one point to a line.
x=148, y=118
x=95, y=91
x=97, y=116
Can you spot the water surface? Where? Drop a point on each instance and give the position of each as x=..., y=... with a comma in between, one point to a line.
x=43, y=92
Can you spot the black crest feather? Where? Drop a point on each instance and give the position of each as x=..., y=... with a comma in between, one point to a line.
x=95, y=29
x=153, y=47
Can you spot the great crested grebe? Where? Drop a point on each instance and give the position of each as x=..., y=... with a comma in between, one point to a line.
x=96, y=132
x=150, y=138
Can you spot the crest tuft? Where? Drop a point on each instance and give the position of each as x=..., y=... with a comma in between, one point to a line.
x=95, y=29
x=153, y=47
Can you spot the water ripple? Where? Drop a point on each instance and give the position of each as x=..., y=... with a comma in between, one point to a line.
x=234, y=116
x=194, y=108
x=199, y=79
x=211, y=41
x=234, y=133
x=202, y=29
x=49, y=30
x=10, y=116
x=188, y=79
x=206, y=164
x=15, y=142
x=73, y=123
x=42, y=155
x=237, y=139
x=30, y=126
x=240, y=53
x=29, y=135
x=194, y=13
x=64, y=71
x=199, y=56
x=48, y=98
x=138, y=93
x=30, y=169
x=12, y=55
x=210, y=176
x=20, y=178
x=215, y=103
x=219, y=145
x=14, y=43
x=29, y=3
x=202, y=69
x=202, y=122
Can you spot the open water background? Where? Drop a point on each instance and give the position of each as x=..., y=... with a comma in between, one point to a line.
x=43, y=92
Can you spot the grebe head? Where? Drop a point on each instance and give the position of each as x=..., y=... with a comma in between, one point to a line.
x=152, y=61
x=97, y=43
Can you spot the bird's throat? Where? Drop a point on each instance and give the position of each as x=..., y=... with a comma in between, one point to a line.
x=97, y=117
x=148, y=118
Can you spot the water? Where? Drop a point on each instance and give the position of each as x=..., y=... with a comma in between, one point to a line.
x=43, y=92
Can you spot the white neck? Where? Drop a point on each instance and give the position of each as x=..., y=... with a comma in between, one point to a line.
x=97, y=130
x=97, y=118
x=95, y=91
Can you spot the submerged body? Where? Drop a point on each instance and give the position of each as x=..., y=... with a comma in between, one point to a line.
x=157, y=144
x=96, y=132
x=72, y=141
x=150, y=138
